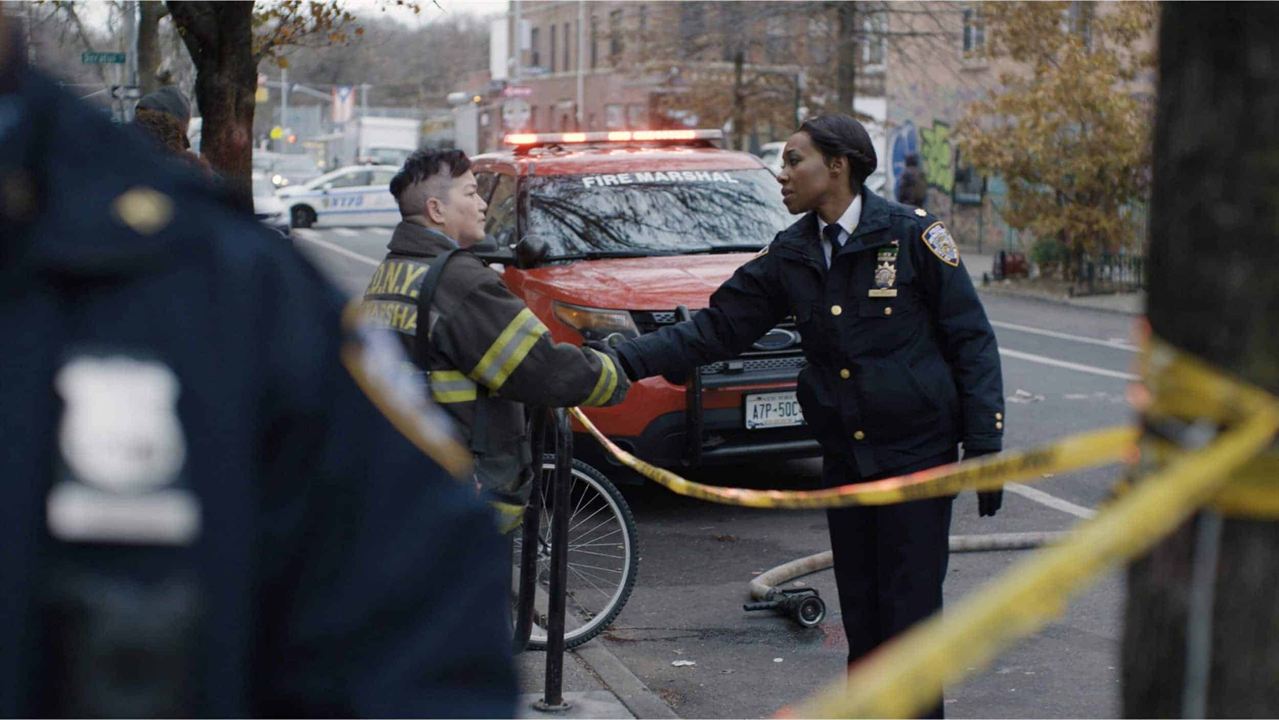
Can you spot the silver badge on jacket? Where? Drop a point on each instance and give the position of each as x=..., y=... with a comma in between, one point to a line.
x=123, y=448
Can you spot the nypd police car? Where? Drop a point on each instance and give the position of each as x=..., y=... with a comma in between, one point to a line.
x=354, y=195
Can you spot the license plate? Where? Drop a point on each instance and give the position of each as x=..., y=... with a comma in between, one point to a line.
x=770, y=410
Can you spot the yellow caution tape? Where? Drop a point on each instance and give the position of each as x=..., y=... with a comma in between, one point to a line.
x=906, y=676
x=1084, y=450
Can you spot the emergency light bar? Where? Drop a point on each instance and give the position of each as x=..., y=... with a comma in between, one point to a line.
x=526, y=140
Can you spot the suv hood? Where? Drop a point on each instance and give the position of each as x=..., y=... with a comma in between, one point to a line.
x=648, y=283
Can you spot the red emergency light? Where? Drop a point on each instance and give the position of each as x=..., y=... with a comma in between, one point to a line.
x=525, y=141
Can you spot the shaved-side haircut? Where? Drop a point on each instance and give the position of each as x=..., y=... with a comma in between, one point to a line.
x=427, y=174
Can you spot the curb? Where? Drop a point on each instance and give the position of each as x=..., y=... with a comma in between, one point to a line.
x=623, y=683
x=1050, y=299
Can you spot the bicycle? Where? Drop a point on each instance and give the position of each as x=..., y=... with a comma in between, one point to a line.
x=603, y=554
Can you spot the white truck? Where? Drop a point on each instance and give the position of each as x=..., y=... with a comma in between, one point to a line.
x=380, y=140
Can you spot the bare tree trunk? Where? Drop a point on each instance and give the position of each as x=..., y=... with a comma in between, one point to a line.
x=739, y=101
x=149, y=44
x=846, y=69
x=1214, y=250
x=219, y=36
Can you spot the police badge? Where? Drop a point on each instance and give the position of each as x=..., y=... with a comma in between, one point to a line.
x=885, y=272
x=941, y=244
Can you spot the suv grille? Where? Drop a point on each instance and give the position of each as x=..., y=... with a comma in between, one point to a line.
x=777, y=352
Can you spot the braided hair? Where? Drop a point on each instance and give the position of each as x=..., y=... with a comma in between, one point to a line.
x=839, y=135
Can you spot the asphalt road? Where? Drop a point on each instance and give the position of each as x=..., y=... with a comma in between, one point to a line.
x=1065, y=370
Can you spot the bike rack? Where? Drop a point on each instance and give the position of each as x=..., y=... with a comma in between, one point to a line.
x=553, y=694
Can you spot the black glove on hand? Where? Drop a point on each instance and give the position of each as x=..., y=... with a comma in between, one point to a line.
x=988, y=501
x=603, y=347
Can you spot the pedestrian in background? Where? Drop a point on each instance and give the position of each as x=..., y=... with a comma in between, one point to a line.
x=212, y=504
x=902, y=364
x=912, y=186
x=165, y=117
x=486, y=354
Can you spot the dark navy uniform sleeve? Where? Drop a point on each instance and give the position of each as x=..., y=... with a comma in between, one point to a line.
x=741, y=310
x=385, y=580
x=965, y=335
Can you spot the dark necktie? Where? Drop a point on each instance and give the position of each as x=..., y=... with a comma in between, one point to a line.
x=831, y=233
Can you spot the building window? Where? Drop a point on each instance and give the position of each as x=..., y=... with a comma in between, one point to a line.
x=567, y=44
x=974, y=31
x=776, y=39
x=692, y=26
x=595, y=41
x=615, y=46
x=643, y=27
x=873, y=40
x=553, y=27
x=534, y=42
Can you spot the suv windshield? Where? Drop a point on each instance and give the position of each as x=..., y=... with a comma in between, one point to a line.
x=655, y=213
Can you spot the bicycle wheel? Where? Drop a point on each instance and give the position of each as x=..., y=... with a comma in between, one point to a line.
x=603, y=556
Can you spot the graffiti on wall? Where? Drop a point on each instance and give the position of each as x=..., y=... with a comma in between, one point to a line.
x=937, y=155
x=935, y=149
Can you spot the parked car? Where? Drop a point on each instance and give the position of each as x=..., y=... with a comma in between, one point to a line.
x=284, y=169
x=353, y=195
x=622, y=233
x=770, y=153
x=268, y=208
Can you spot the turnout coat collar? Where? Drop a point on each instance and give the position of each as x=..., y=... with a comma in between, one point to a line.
x=419, y=241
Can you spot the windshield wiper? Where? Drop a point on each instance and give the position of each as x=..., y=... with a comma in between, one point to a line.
x=723, y=249
x=606, y=254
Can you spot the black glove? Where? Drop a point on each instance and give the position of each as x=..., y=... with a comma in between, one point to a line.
x=988, y=501
x=602, y=346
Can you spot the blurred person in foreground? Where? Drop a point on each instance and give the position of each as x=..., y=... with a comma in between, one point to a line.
x=216, y=500
x=485, y=352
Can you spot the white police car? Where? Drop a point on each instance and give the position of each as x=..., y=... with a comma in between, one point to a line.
x=354, y=195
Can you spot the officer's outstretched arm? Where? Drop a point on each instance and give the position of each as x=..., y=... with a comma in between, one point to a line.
x=965, y=335
x=499, y=343
x=745, y=307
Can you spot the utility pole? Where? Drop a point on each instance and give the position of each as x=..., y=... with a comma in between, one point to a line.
x=1200, y=636
x=284, y=108
x=581, y=71
x=739, y=100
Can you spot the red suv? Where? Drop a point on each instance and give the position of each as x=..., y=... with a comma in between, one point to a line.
x=624, y=232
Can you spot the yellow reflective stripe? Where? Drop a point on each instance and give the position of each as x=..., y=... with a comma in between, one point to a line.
x=508, y=350
x=451, y=386
x=606, y=383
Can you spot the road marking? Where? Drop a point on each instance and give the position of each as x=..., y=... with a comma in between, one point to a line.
x=1051, y=501
x=1029, y=357
x=1115, y=344
x=308, y=236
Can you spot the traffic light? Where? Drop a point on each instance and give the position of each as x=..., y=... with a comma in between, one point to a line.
x=292, y=138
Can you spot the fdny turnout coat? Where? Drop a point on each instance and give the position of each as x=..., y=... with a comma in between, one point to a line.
x=902, y=362
x=488, y=355
x=203, y=511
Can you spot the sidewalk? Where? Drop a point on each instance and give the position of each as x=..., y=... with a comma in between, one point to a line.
x=1129, y=303
x=595, y=685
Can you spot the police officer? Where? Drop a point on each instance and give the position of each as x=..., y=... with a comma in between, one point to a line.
x=486, y=353
x=902, y=363
x=205, y=508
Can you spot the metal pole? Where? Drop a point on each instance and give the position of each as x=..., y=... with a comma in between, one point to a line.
x=519, y=46
x=553, y=698
x=284, y=106
x=581, y=72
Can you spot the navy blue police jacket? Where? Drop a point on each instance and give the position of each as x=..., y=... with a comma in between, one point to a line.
x=336, y=568
x=902, y=363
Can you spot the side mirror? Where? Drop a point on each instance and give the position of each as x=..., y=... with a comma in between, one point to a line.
x=530, y=250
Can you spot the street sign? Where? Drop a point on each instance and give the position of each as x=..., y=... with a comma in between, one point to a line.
x=102, y=58
x=277, y=132
x=512, y=91
x=125, y=92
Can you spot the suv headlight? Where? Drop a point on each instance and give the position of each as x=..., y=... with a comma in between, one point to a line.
x=595, y=323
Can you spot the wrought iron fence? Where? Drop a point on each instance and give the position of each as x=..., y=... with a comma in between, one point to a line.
x=1109, y=273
